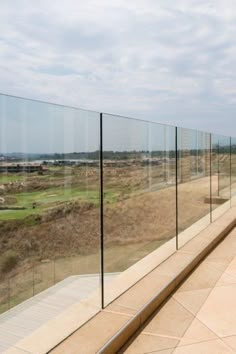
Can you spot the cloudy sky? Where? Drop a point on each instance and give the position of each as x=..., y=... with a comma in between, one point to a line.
x=164, y=60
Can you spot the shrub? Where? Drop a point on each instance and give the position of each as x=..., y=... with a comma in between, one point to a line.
x=9, y=261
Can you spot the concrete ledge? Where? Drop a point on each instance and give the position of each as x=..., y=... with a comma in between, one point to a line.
x=111, y=328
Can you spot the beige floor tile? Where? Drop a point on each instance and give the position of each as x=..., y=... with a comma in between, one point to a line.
x=209, y=347
x=226, y=279
x=172, y=320
x=166, y=351
x=204, y=276
x=219, y=311
x=229, y=276
x=232, y=234
x=148, y=344
x=205, y=296
x=225, y=251
x=197, y=332
x=230, y=341
x=229, y=243
x=217, y=258
x=219, y=265
x=192, y=300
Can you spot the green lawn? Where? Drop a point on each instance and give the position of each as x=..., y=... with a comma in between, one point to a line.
x=50, y=198
x=39, y=201
x=7, y=178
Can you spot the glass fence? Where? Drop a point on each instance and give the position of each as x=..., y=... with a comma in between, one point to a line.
x=194, y=179
x=139, y=167
x=89, y=201
x=233, y=171
x=49, y=201
x=221, y=179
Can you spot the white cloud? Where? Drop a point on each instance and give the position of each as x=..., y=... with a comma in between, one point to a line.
x=163, y=60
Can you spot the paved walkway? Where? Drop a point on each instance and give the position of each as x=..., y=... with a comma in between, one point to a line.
x=24, y=319
x=200, y=317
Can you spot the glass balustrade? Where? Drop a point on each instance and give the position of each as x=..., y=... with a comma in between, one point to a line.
x=91, y=202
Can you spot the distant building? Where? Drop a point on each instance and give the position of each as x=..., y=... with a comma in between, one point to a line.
x=23, y=167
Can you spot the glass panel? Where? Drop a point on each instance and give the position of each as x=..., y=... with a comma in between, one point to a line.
x=220, y=174
x=4, y=295
x=233, y=171
x=43, y=275
x=139, y=199
x=49, y=195
x=21, y=285
x=193, y=182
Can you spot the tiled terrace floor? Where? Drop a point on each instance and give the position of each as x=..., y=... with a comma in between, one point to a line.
x=200, y=317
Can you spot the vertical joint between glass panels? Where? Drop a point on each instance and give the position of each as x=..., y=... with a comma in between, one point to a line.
x=210, y=178
x=218, y=167
x=101, y=213
x=176, y=188
x=230, y=170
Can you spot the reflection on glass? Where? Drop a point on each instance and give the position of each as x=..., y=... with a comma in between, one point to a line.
x=233, y=171
x=5, y=295
x=139, y=191
x=220, y=174
x=193, y=179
